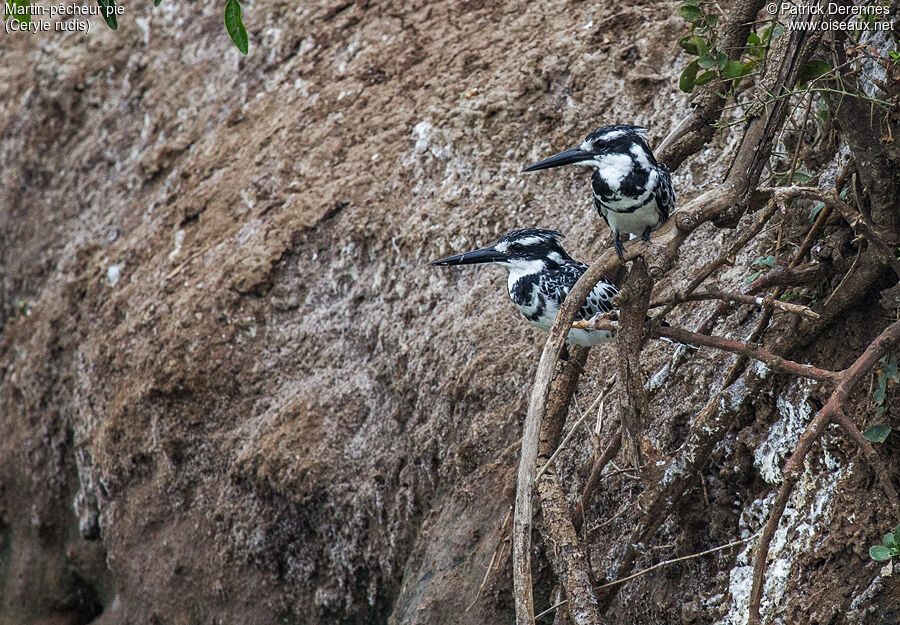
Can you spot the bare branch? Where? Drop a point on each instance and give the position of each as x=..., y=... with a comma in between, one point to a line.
x=772, y=361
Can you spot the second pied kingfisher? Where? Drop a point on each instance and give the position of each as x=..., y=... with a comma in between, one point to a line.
x=632, y=191
x=541, y=274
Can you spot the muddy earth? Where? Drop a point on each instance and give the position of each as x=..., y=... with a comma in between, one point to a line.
x=234, y=391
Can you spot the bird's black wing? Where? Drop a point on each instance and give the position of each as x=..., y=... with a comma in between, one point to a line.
x=561, y=281
x=665, y=194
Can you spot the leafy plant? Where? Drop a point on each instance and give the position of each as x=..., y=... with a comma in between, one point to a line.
x=712, y=63
x=888, y=549
x=763, y=262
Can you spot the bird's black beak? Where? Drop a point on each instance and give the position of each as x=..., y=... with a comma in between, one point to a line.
x=484, y=255
x=569, y=157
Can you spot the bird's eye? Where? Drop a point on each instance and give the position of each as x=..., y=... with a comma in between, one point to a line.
x=516, y=247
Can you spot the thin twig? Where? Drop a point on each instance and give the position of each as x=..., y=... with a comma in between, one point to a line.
x=872, y=457
x=551, y=608
x=709, y=294
x=490, y=567
x=625, y=509
x=674, y=560
x=571, y=433
x=594, y=480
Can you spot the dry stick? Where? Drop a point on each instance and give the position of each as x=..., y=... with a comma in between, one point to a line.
x=594, y=480
x=551, y=608
x=772, y=361
x=725, y=296
x=490, y=567
x=624, y=509
x=188, y=260
x=787, y=276
x=849, y=378
x=600, y=397
x=568, y=560
x=674, y=560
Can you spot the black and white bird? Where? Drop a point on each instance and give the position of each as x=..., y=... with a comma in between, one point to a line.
x=632, y=191
x=540, y=276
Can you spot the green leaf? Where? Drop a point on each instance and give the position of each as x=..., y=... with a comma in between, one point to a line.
x=814, y=214
x=18, y=10
x=897, y=533
x=712, y=19
x=721, y=61
x=732, y=69
x=753, y=276
x=801, y=177
x=822, y=109
x=108, y=11
x=705, y=77
x=876, y=433
x=880, y=391
x=889, y=369
x=776, y=32
x=706, y=61
x=879, y=553
x=690, y=13
x=748, y=67
x=688, y=76
x=753, y=39
x=156, y=3
x=700, y=44
x=889, y=541
x=812, y=70
x=688, y=45
x=235, y=26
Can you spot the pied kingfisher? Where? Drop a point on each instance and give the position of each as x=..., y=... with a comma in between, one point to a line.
x=540, y=276
x=632, y=192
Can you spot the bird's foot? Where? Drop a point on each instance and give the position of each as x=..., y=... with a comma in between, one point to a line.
x=620, y=249
x=646, y=234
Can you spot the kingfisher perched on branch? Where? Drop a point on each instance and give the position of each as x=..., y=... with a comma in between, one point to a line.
x=541, y=274
x=632, y=191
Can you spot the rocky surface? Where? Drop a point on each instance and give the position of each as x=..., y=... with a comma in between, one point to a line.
x=234, y=391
